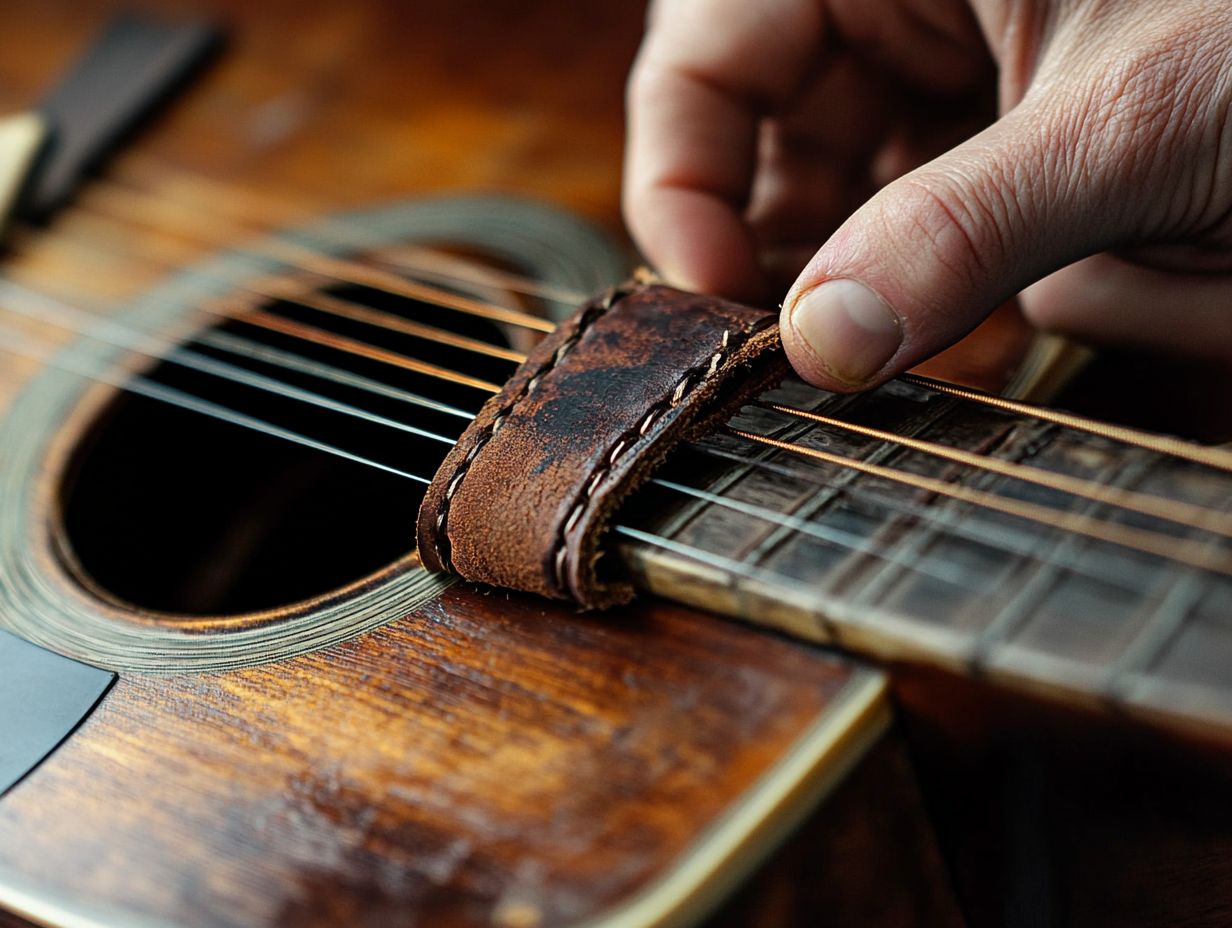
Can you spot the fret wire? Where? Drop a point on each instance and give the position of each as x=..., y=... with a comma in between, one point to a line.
x=1113, y=575
x=839, y=484
x=841, y=539
x=933, y=532
x=1015, y=614
x=1164, y=546
x=708, y=558
x=1163, y=626
x=1159, y=507
x=1172, y=447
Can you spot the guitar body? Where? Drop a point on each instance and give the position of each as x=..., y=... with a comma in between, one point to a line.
x=452, y=755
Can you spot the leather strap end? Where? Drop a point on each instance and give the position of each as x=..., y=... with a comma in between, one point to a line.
x=525, y=497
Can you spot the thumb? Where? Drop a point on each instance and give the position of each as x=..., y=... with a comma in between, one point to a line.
x=933, y=253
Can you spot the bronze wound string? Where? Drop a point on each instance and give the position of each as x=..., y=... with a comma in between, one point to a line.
x=1096, y=563
x=1140, y=539
x=1177, y=511
x=135, y=206
x=1167, y=547
x=1161, y=444
x=188, y=358
x=14, y=343
x=342, y=269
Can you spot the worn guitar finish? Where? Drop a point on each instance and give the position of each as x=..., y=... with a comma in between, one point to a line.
x=1092, y=599
x=480, y=758
x=477, y=759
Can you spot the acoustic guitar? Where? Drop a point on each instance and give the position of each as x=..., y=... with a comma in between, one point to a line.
x=932, y=655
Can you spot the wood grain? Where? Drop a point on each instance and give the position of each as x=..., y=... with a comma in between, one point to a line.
x=486, y=760
x=485, y=753
x=340, y=787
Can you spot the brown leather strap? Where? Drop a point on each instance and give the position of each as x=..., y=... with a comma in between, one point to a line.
x=523, y=499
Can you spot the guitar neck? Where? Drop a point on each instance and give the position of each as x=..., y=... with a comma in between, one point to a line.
x=1075, y=564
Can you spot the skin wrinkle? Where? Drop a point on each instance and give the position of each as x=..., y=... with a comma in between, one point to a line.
x=936, y=233
x=1115, y=120
x=1220, y=230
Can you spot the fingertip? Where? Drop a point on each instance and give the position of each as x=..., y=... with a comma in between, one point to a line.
x=697, y=242
x=841, y=335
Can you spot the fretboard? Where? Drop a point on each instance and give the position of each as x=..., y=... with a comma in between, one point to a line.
x=1016, y=580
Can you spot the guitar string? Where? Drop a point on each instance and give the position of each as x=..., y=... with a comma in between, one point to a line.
x=275, y=357
x=288, y=327
x=13, y=343
x=1211, y=456
x=1219, y=458
x=339, y=268
x=184, y=356
x=39, y=306
x=303, y=332
x=1144, y=540
x=944, y=572
x=178, y=398
x=1168, y=547
x=210, y=231
x=1158, y=507
x=1096, y=564
x=135, y=383
x=116, y=192
x=318, y=336
x=343, y=269
x=357, y=312
x=84, y=323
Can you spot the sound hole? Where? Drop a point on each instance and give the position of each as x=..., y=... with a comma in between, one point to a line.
x=170, y=510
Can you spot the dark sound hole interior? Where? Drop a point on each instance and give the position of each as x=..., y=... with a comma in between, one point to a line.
x=174, y=511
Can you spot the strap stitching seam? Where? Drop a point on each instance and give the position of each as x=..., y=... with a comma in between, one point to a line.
x=692, y=378
x=594, y=314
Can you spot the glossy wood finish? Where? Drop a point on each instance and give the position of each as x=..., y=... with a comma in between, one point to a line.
x=1085, y=598
x=484, y=756
x=321, y=105
x=485, y=760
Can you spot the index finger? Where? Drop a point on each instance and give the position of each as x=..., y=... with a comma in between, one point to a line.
x=707, y=71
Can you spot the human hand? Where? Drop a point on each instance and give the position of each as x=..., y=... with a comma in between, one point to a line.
x=758, y=131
